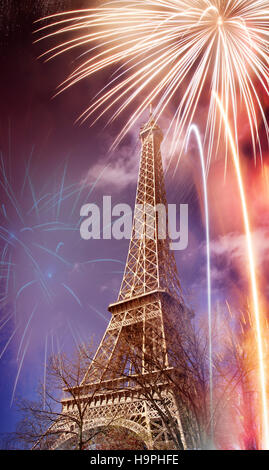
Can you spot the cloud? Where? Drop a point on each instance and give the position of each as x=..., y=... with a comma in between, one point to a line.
x=229, y=262
x=117, y=174
x=234, y=246
x=120, y=169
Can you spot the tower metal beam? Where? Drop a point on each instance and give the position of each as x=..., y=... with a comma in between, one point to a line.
x=136, y=344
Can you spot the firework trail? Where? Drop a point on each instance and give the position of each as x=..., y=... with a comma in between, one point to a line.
x=252, y=275
x=181, y=54
x=40, y=272
x=194, y=129
x=171, y=52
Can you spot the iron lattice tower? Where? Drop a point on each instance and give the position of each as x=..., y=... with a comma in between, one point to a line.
x=136, y=343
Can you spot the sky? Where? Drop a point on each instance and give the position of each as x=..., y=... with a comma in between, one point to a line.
x=57, y=287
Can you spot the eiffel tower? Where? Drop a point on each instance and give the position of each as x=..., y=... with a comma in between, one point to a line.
x=149, y=302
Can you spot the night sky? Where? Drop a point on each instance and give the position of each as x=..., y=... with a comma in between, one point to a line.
x=59, y=286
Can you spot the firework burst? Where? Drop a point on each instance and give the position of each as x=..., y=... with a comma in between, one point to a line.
x=40, y=271
x=171, y=52
x=179, y=54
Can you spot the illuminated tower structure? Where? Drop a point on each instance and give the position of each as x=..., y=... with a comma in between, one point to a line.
x=135, y=348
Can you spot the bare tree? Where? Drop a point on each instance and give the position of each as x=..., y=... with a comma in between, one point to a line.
x=165, y=371
x=45, y=422
x=182, y=367
x=183, y=370
x=178, y=371
x=237, y=371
